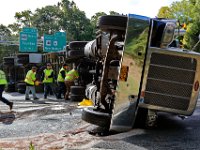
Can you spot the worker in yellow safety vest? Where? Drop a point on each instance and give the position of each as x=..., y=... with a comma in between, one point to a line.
x=61, y=81
x=48, y=79
x=71, y=76
x=30, y=83
x=3, y=83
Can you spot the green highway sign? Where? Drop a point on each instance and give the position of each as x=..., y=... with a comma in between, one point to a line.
x=29, y=30
x=28, y=40
x=55, y=42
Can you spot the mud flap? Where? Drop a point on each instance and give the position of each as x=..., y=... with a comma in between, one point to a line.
x=124, y=120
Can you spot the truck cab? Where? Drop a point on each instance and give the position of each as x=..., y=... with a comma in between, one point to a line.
x=137, y=74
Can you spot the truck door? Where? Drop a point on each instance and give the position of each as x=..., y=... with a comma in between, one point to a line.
x=131, y=74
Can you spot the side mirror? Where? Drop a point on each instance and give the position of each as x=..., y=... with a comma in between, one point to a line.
x=168, y=34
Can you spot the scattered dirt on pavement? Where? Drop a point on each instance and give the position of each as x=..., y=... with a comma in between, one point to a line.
x=75, y=139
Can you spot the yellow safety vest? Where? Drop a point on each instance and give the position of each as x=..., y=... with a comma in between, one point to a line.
x=48, y=72
x=60, y=78
x=71, y=75
x=3, y=80
x=30, y=77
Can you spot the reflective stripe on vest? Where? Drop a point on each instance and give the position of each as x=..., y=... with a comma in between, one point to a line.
x=48, y=72
x=60, y=78
x=3, y=80
x=30, y=77
x=71, y=75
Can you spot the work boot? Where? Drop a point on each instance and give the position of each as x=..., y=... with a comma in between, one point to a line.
x=11, y=105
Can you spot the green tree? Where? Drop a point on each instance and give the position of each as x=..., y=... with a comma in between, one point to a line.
x=193, y=29
x=7, y=46
x=113, y=13
x=75, y=22
x=185, y=11
x=47, y=19
x=180, y=10
x=5, y=33
x=15, y=28
x=164, y=12
x=24, y=18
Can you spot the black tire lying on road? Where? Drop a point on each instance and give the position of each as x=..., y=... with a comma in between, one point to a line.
x=8, y=64
x=10, y=87
x=110, y=22
x=77, y=98
x=8, y=60
x=77, y=90
x=77, y=45
x=91, y=115
x=22, y=91
x=23, y=56
x=21, y=88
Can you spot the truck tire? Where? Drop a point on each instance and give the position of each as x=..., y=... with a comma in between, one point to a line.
x=23, y=56
x=10, y=87
x=112, y=23
x=23, y=60
x=21, y=85
x=8, y=64
x=141, y=118
x=77, y=45
x=21, y=91
x=74, y=53
x=21, y=88
x=77, y=90
x=77, y=98
x=95, y=117
x=8, y=60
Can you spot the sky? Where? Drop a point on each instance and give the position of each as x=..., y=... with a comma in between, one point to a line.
x=90, y=7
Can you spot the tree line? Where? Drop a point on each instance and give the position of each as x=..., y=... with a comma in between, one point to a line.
x=187, y=12
x=65, y=15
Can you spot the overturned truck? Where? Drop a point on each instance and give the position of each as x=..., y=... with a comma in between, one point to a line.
x=136, y=73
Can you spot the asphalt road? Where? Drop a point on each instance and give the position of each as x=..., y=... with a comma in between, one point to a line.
x=55, y=117
x=30, y=118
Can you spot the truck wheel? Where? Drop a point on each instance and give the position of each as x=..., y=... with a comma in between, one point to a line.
x=8, y=64
x=77, y=90
x=23, y=56
x=151, y=121
x=74, y=53
x=112, y=22
x=77, y=98
x=10, y=87
x=77, y=45
x=23, y=60
x=141, y=118
x=21, y=87
x=8, y=60
x=22, y=91
x=91, y=115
